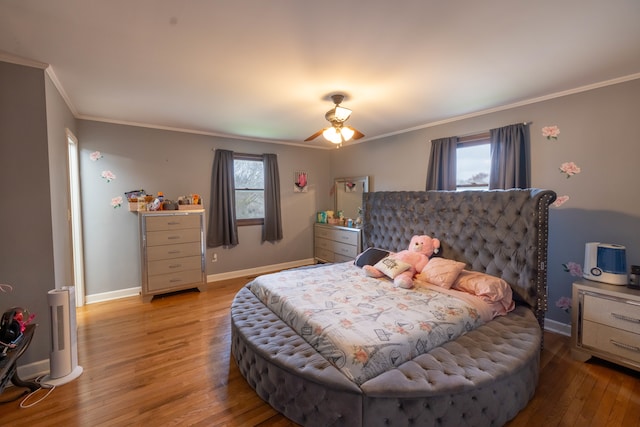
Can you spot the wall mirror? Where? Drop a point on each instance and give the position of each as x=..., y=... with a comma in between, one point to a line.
x=348, y=194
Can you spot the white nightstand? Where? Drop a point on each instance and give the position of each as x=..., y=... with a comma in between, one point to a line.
x=606, y=323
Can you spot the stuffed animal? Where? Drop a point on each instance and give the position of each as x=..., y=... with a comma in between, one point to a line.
x=402, y=266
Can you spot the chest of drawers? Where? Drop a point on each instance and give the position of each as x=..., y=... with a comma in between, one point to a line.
x=606, y=323
x=333, y=243
x=172, y=251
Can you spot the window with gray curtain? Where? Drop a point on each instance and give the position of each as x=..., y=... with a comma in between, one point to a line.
x=441, y=174
x=272, y=227
x=223, y=229
x=509, y=159
x=223, y=225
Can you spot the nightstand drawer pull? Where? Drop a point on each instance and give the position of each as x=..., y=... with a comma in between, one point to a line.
x=626, y=346
x=623, y=317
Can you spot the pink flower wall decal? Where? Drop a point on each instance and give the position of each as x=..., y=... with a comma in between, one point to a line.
x=573, y=268
x=560, y=200
x=551, y=132
x=108, y=175
x=95, y=156
x=564, y=303
x=570, y=169
x=116, y=202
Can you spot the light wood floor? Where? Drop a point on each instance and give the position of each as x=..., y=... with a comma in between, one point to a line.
x=168, y=363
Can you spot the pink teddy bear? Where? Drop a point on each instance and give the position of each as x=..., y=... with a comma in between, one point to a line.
x=421, y=248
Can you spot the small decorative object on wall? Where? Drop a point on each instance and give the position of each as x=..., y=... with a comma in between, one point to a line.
x=116, y=202
x=551, y=132
x=5, y=287
x=560, y=200
x=564, y=303
x=300, y=182
x=573, y=268
x=570, y=169
x=96, y=155
x=108, y=175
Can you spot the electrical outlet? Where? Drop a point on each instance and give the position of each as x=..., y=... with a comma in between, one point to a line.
x=214, y=258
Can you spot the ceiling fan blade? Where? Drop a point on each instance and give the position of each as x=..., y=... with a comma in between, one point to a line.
x=356, y=133
x=315, y=135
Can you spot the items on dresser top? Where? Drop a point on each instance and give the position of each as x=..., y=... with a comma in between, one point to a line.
x=606, y=323
x=172, y=251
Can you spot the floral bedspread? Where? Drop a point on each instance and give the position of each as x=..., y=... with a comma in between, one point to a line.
x=364, y=326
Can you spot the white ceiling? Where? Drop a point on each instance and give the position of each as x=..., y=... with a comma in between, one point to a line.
x=264, y=69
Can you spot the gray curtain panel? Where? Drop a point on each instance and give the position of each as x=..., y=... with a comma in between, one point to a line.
x=510, y=157
x=222, y=230
x=272, y=227
x=441, y=174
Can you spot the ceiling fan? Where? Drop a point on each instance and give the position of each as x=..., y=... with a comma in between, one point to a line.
x=337, y=132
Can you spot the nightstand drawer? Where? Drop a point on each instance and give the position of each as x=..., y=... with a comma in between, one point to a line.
x=611, y=340
x=612, y=312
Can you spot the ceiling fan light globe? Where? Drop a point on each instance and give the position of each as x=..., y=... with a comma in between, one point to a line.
x=347, y=133
x=332, y=135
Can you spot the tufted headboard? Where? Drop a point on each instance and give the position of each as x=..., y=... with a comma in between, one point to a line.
x=499, y=232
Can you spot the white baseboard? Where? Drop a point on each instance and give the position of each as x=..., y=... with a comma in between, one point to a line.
x=33, y=370
x=130, y=292
x=108, y=296
x=557, y=327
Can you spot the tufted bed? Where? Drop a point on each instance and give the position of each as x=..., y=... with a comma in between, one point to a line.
x=483, y=378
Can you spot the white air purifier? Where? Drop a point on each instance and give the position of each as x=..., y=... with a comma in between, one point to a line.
x=63, y=360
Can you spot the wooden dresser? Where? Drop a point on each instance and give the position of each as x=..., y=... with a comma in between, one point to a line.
x=606, y=323
x=172, y=248
x=334, y=243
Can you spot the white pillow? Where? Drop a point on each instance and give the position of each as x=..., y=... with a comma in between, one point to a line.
x=392, y=267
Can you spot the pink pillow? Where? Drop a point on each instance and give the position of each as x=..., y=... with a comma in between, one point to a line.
x=441, y=272
x=487, y=287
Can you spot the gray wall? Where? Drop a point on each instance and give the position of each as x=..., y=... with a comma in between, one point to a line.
x=26, y=237
x=597, y=132
x=180, y=163
x=59, y=119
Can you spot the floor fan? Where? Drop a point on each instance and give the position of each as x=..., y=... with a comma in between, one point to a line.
x=63, y=360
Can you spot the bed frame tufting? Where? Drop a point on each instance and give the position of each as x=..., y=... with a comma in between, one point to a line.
x=483, y=378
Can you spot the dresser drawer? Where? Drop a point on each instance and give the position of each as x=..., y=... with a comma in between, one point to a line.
x=172, y=222
x=339, y=235
x=612, y=312
x=168, y=282
x=171, y=237
x=165, y=266
x=324, y=254
x=611, y=340
x=179, y=250
x=342, y=258
x=337, y=247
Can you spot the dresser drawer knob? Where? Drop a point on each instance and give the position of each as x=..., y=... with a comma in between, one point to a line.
x=626, y=318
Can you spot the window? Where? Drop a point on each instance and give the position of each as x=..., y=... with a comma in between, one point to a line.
x=473, y=163
x=249, y=184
